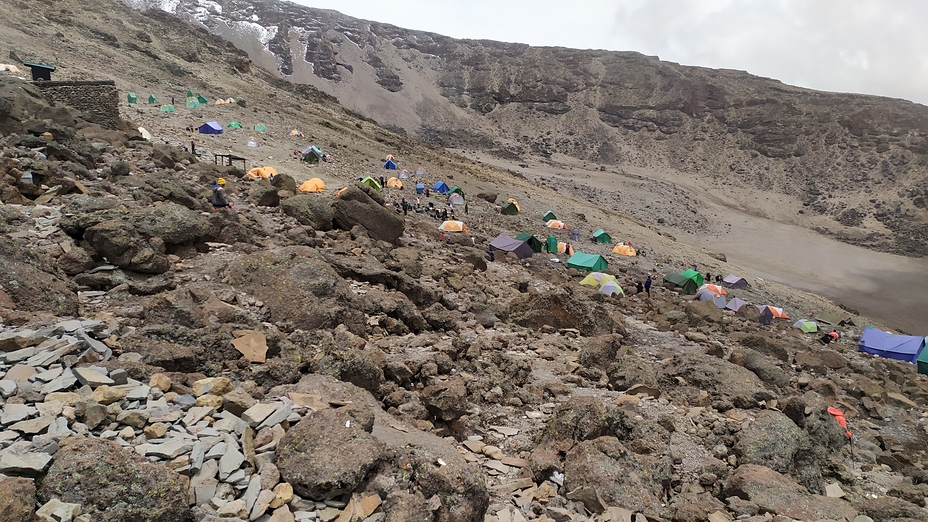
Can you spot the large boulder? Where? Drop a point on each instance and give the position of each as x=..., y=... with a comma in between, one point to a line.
x=329, y=452
x=31, y=282
x=121, y=244
x=17, y=499
x=702, y=312
x=409, y=476
x=113, y=484
x=583, y=418
x=561, y=309
x=693, y=373
x=776, y=494
x=603, y=473
x=298, y=289
x=171, y=222
x=355, y=206
x=771, y=439
x=309, y=210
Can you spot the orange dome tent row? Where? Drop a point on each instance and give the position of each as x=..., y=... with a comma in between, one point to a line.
x=312, y=185
x=262, y=172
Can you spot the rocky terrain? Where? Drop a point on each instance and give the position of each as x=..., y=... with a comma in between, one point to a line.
x=852, y=167
x=323, y=357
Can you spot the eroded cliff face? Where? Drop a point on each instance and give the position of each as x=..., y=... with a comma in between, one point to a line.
x=860, y=160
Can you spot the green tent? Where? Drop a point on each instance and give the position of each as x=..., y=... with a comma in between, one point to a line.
x=509, y=209
x=371, y=182
x=132, y=98
x=152, y=100
x=694, y=275
x=687, y=284
x=202, y=99
x=260, y=127
x=189, y=93
x=548, y=216
x=806, y=326
x=168, y=108
x=531, y=241
x=601, y=236
x=456, y=190
x=588, y=262
x=312, y=154
x=922, y=361
x=192, y=103
x=234, y=125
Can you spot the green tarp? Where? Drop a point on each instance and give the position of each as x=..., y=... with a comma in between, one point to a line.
x=132, y=98
x=548, y=216
x=531, y=241
x=686, y=283
x=601, y=236
x=588, y=262
x=694, y=275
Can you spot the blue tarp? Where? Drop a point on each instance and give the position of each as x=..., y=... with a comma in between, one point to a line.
x=891, y=346
x=420, y=188
x=389, y=165
x=441, y=187
x=211, y=127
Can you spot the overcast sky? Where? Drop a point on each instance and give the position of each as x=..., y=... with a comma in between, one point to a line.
x=862, y=46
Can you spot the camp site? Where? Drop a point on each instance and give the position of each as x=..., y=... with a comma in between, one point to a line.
x=265, y=323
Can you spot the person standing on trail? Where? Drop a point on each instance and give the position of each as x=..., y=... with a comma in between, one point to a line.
x=218, y=198
x=640, y=287
x=647, y=285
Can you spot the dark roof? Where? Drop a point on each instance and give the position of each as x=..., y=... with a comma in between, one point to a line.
x=39, y=66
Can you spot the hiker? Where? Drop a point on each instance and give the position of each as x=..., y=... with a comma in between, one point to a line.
x=218, y=199
x=647, y=285
x=193, y=148
x=382, y=184
x=172, y=100
x=465, y=209
x=718, y=278
x=567, y=249
x=829, y=337
x=708, y=277
x=640, y=287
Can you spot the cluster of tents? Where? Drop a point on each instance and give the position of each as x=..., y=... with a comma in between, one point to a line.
x=692, y=282
x=603, y=283
x=214, y=127
x=310, y=185
x=192, y=101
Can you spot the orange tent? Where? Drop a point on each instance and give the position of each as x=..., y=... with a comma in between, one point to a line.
x=394, y=182
x=556, y=224
x=262, y=172
x=453, y=226
x=562, y=248
x=312, y=185
x=715, y=289
x=624, y=250
x=389, y=157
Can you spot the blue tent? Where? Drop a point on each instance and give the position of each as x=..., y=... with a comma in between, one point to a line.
x=210, y=127
x=420, y=188
x=892, y=346
x=389, y=165
x=441, y=187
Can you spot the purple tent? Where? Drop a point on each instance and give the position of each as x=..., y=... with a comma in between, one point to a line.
x=507, y=244
x=892, y=346
x=735, y=304
x=210, y=127
x=733, y=281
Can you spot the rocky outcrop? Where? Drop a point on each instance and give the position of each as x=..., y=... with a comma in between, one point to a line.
x=357, y=206
x=121, y=244
x=82, y=473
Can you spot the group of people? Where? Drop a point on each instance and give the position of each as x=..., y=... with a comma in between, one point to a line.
x=644, y=287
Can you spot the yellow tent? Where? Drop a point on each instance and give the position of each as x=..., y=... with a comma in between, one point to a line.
x=624, y=250
x=262, y=172
x=556, y=224
x=596, y=279
x=389, y=157
x=296, y=132
x=453, y=226
x=516, y=203
x=313, y=185
x=394, y=182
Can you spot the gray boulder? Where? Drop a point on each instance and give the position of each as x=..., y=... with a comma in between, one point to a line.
x=309, y=209
x=772, y=439
x=121, y=244
x=329, y=452
x=356, y=206
x=171, y=222
x=114, y=484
